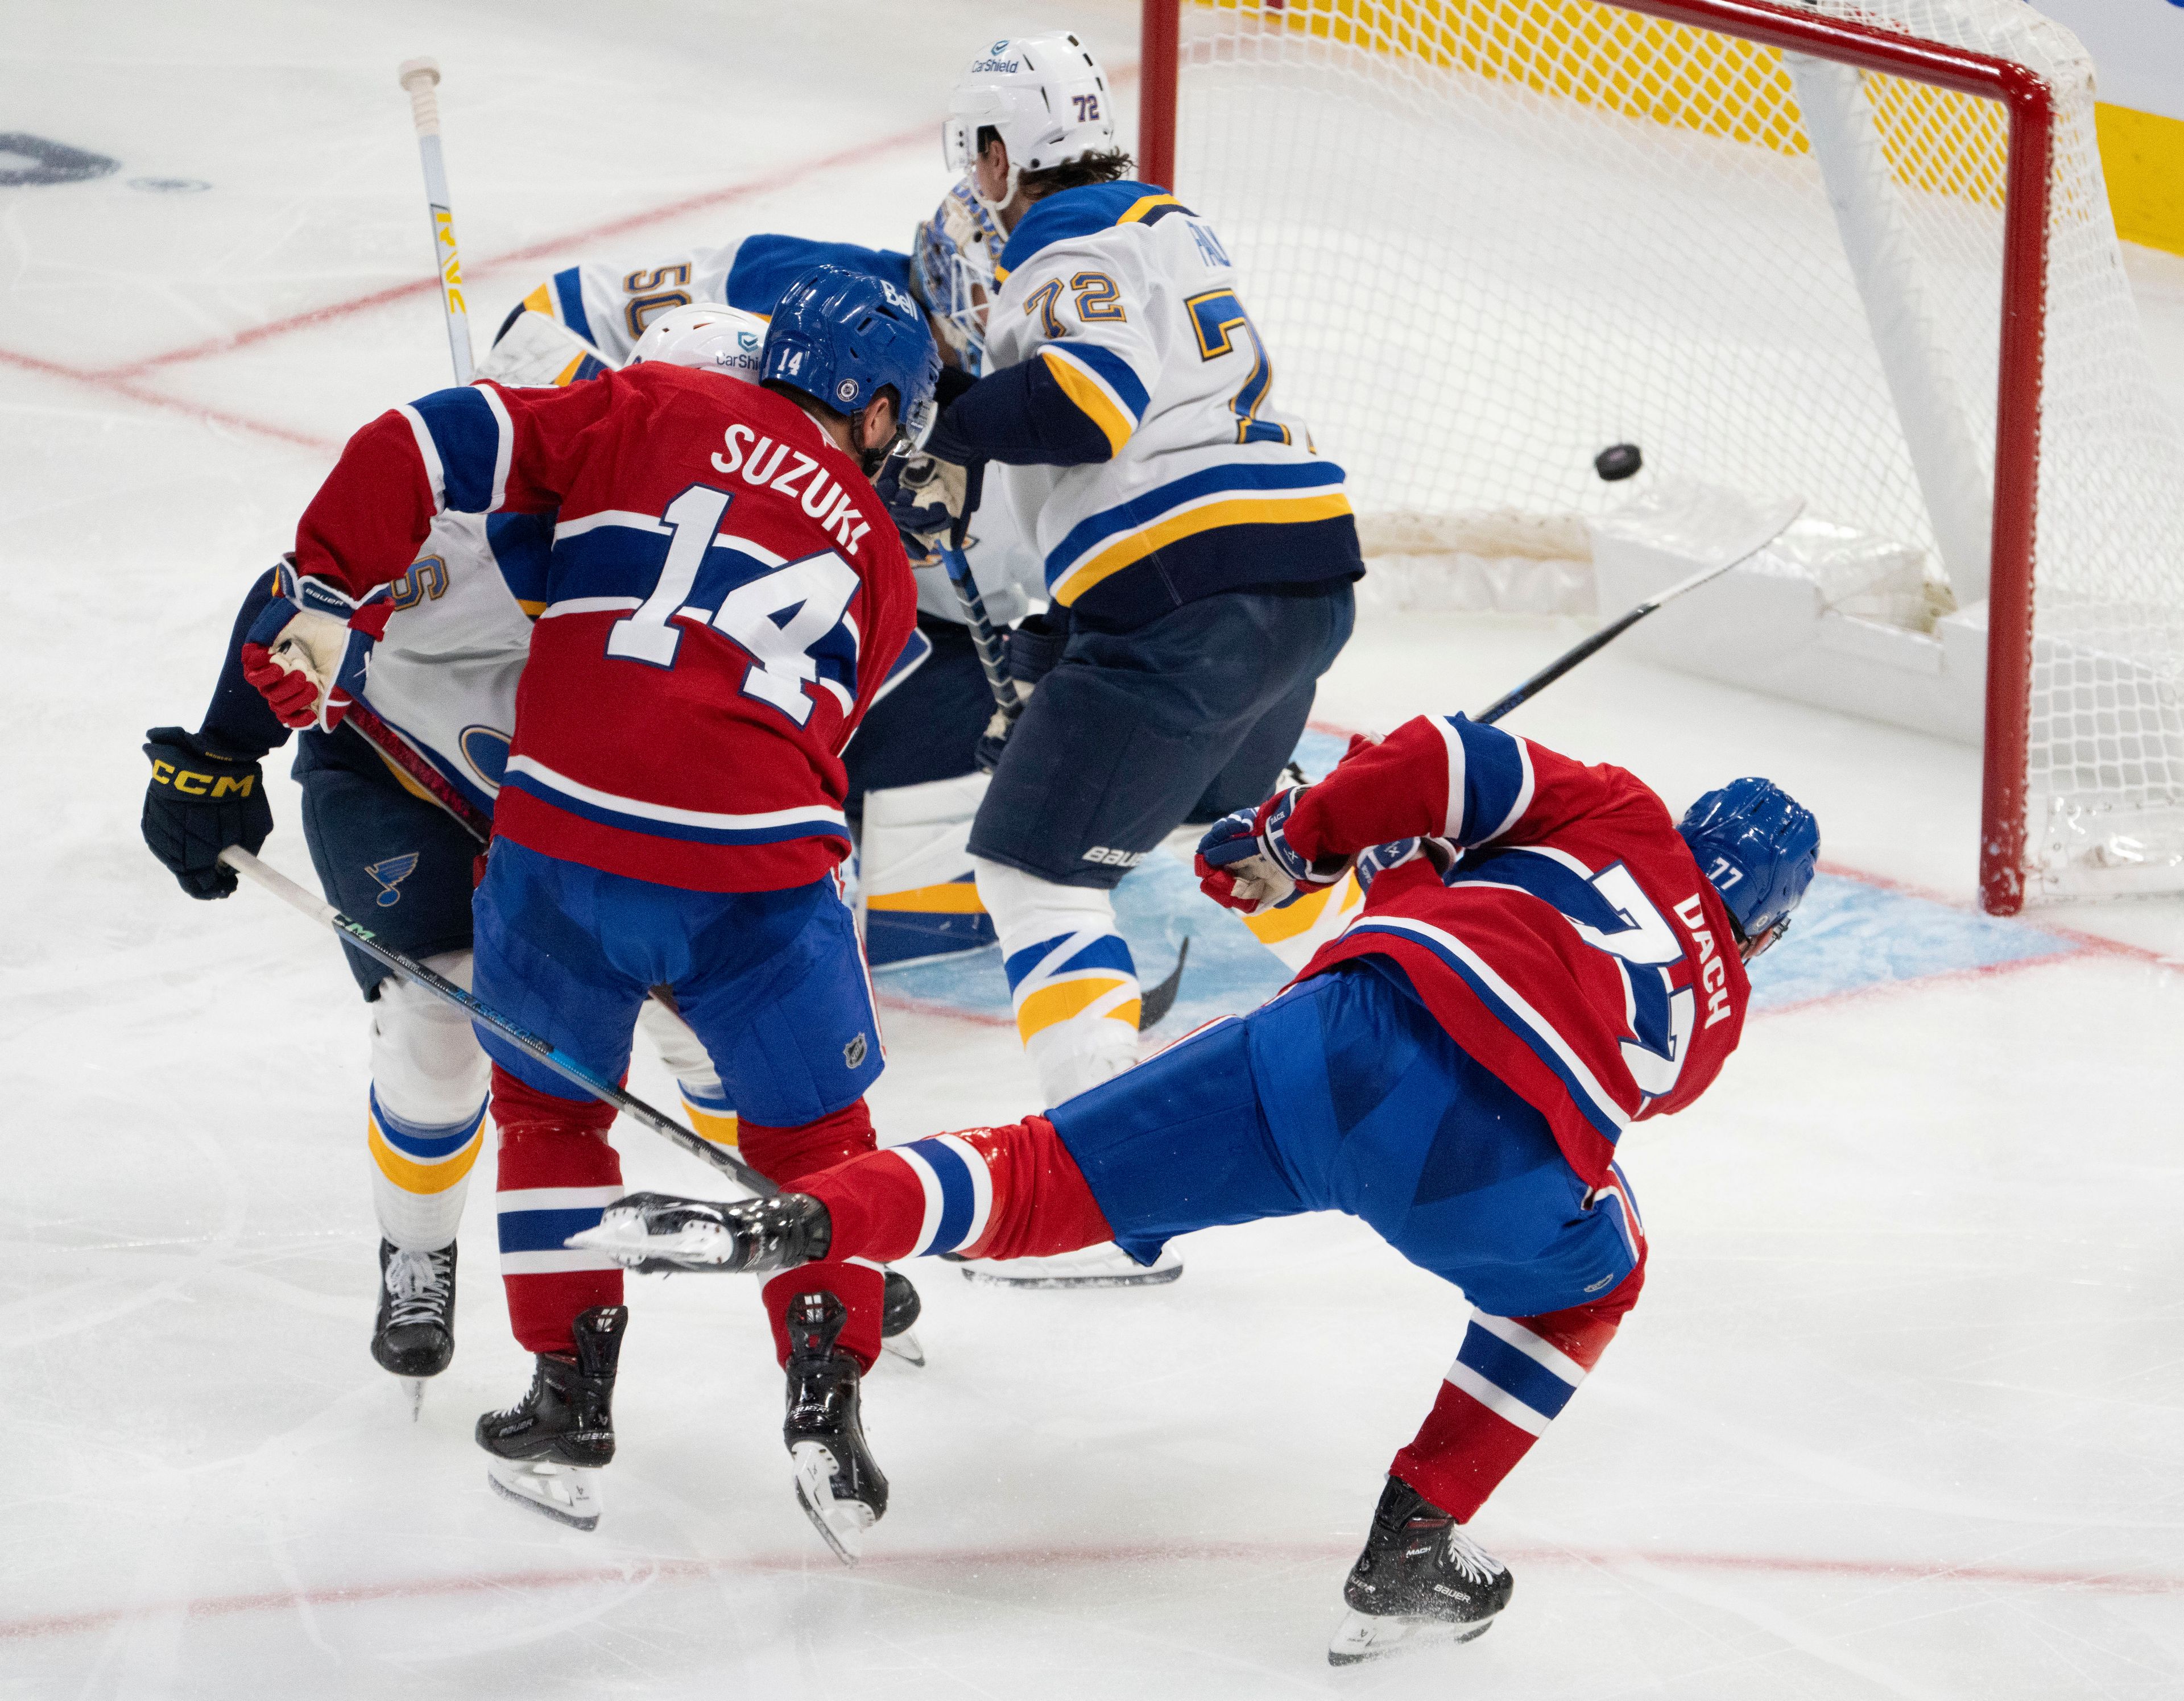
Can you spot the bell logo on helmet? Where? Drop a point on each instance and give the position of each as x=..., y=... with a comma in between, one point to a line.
x=896, y=299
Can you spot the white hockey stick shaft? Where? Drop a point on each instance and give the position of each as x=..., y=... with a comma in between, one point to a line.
x=420, y=78
x=535, y=1044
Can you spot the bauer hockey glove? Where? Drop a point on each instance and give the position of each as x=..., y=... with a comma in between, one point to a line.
x=925, y=498
x=1245, y=862
x=307, y=652
x=197, y=804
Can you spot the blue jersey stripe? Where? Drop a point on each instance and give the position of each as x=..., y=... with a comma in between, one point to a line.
x=672, y=829
x=958, y=1202
x=1107, y=951
x=468, y=438
x=544, y=1231
x=1493, y=779
x=1096, y=528
x=1540, y=1047
x=1513, y=1372
x=569, y=289
x=421, y=1141
x=1121, y=375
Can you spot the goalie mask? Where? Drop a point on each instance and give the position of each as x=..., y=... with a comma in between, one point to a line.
x=713, y=338
x=1045, y=96
x=951, y=271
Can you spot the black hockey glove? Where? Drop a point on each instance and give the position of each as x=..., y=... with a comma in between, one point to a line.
x=197, y=804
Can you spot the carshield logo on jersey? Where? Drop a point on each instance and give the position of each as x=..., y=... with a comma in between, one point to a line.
x=854, y=1053
x=391, y=872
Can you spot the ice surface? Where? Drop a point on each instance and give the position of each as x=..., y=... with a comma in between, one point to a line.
x=1902, y=1413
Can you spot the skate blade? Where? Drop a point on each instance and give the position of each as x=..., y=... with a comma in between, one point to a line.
x=568, y=1494
x=414, y=1387
x=998, y=1276
x=622, y=1236
x=1360, y=1636
x=906, y=1346
x=841, y=1524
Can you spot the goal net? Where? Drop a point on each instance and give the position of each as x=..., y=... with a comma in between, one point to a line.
x=1487, y=238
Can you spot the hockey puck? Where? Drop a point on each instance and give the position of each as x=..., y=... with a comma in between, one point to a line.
x=1618, y=461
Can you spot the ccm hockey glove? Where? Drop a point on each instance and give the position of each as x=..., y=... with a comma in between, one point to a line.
x=1246, y=862
x=197, y=804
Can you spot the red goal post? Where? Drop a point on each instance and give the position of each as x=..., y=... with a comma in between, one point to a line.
x=2030, y=105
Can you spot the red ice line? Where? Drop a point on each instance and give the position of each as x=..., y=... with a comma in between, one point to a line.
x=975, y=1560
x=123, y=380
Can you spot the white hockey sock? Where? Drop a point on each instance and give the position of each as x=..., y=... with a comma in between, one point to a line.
x=429, y=1079
x=687, y=1059
x=1070, y=974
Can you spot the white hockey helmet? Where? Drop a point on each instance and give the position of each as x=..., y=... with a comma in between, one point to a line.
x=715, y=337
x=1044, y=94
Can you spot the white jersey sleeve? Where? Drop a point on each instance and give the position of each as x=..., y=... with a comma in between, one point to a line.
x=1132, y=305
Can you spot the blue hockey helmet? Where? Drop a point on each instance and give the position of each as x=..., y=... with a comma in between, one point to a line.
x=1758, y=844
x=842, y=336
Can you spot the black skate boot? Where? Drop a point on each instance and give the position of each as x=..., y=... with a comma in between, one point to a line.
x=838, y=1486
x=414, y=1336
x=1420, y=1580
x=660, y=1233
x=900, y=1310
x=547, y=1452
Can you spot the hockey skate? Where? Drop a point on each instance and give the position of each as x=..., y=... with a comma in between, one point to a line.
x=546, y=1453
x=900, y=1310
x=1420, y=1582
x=414, y=1336
x=840, y=1487
x=1106, y=1265
x=658, y=1234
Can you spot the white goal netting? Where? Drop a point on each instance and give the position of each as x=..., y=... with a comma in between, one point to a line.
x=1487, y=238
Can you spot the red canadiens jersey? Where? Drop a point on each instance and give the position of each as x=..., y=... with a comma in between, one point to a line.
x=1574, y=948
x=723, y=599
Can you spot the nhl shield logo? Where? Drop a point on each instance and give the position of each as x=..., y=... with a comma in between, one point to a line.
x=853, y=1054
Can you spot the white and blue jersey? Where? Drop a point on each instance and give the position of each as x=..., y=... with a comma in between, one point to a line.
x=1129, y=404
x=609, y=306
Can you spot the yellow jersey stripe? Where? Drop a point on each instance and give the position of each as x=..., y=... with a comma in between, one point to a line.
x=1269, y=927
x=1259, y=510
x=955, y=898
x=1071, y=998
x=1091, y=399
x=540, y=301
x=1140, y=208
x=413, y=1177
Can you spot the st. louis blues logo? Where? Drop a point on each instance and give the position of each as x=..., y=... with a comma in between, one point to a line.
x=390, y=873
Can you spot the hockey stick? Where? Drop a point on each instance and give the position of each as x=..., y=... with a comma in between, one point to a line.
x=992, y=658
x=1775, y=521
x=532, y=1044
x=389, y=744
x=420, y=79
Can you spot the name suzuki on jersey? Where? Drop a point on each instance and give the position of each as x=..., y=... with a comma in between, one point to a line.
x=823, y=499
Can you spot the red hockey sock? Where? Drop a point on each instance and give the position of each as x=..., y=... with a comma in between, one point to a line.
x=787, y=1155
x=1510, y=1379
x=1012, y=1193
x=860, y=1286
x=557, y=1173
